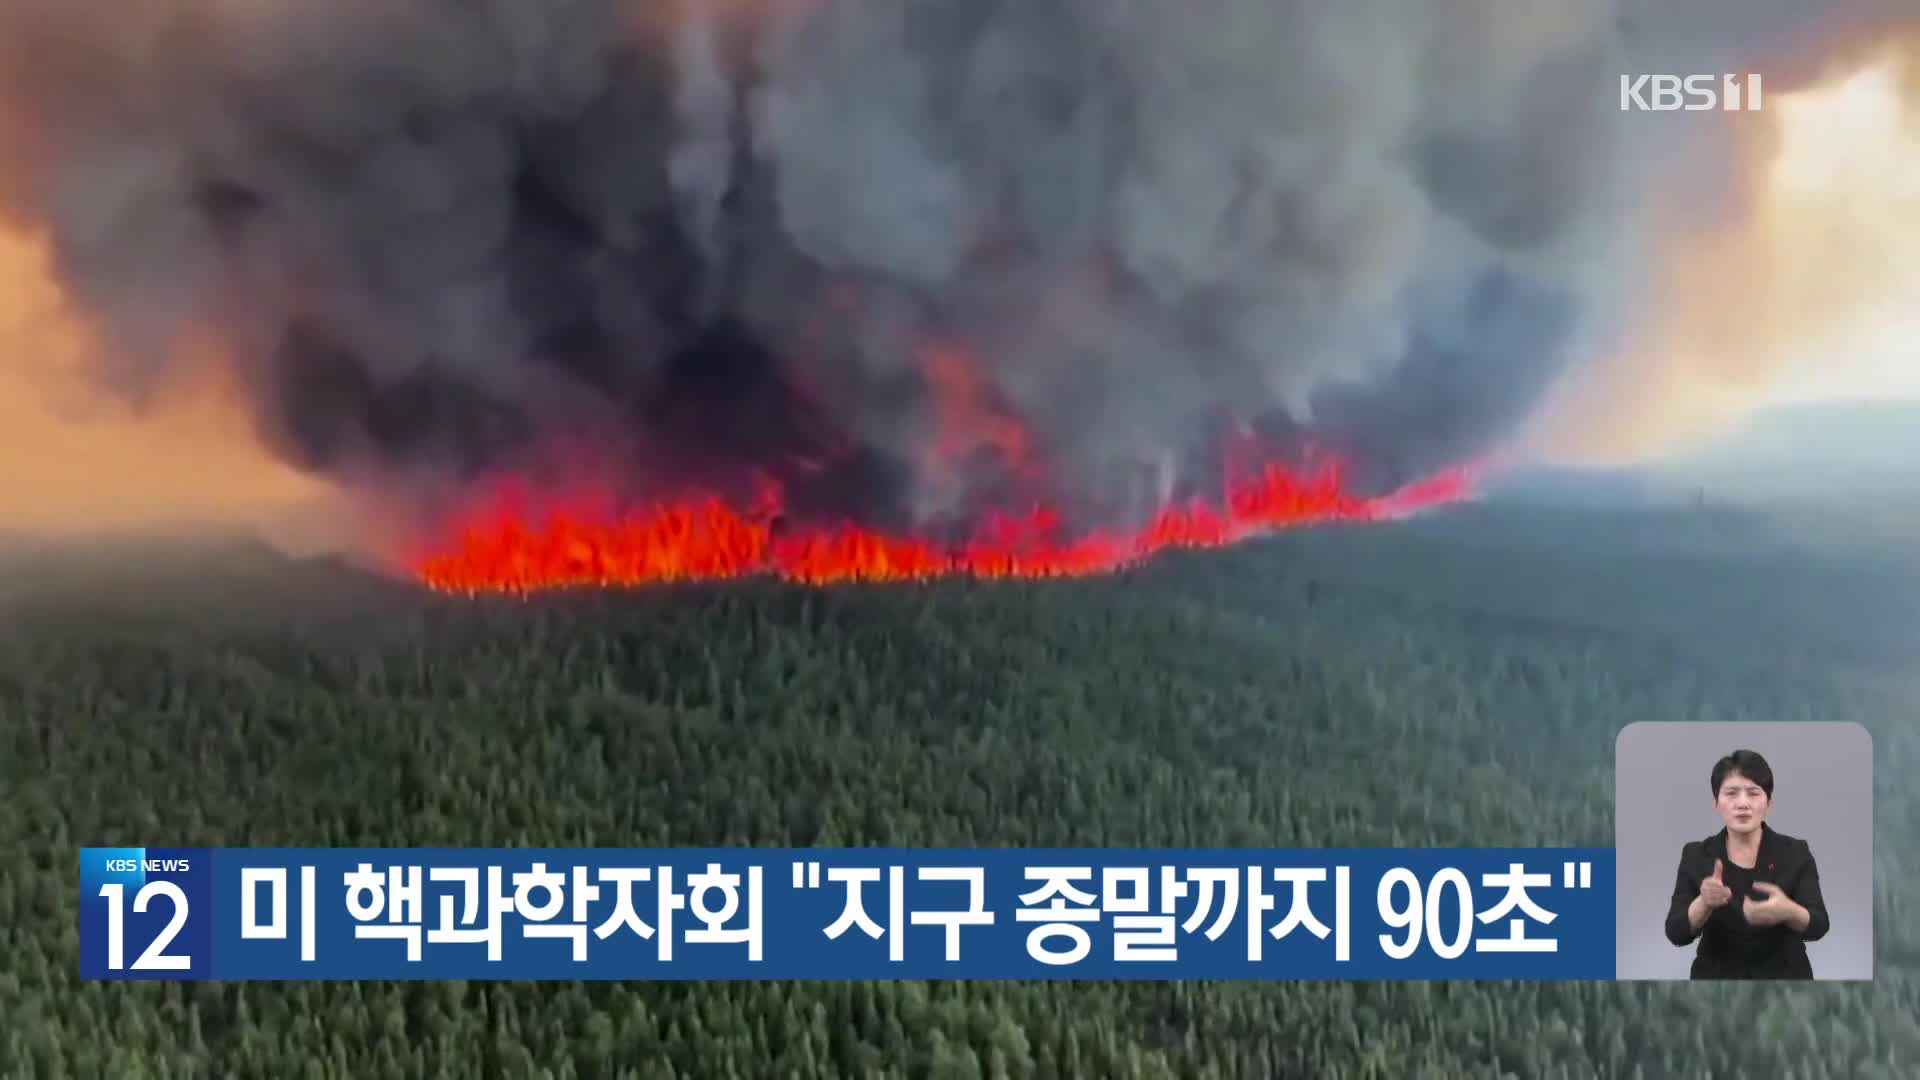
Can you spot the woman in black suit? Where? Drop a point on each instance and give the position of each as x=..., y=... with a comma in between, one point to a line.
x=1750, y=895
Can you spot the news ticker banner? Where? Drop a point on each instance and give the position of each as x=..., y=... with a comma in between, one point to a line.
x=846, y=913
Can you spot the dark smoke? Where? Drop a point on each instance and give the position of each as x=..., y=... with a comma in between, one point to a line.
x=444, y=236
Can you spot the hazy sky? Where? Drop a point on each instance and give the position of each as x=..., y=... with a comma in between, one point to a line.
x=1810, y=292
x=73, y=458
x=1849, y=170
x=1878, y=365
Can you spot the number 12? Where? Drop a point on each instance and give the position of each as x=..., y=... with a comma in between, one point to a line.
x=155, y=957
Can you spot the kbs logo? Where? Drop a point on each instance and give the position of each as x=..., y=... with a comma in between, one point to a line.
x=1692, y=93
x=145, y=913
x=150, y=866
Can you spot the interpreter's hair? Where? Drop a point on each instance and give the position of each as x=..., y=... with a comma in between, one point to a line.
x=1746, y=763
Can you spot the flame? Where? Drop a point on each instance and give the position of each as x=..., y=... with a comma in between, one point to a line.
x=502, y=547
x=970, y=419
x=515, y=540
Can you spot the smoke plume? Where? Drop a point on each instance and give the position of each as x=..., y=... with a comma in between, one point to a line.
x=429, y=240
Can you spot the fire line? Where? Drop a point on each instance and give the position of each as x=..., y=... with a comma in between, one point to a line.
x=498, y=550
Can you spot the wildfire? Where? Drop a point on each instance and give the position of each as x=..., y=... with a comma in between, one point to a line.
x=516, y=539
x=501, y=547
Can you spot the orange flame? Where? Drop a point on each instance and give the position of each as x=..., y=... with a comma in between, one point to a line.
x=503, y=548
x=970, y=419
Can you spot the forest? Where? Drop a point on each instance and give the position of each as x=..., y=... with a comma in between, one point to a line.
x=1457, y=680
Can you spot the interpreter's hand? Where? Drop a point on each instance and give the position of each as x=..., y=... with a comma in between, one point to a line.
x=1713, y=890
x=1774, y=907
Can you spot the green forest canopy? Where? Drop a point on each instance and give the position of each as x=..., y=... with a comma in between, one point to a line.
x=1454, y=682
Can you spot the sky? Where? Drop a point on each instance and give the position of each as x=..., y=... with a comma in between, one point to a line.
x=1810, y=294
x=72, y=458
x=1851, y=152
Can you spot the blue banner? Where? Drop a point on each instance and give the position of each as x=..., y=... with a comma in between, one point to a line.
x=846, y=913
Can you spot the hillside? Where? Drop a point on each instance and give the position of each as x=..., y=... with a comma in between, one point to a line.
x=1459, y=680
